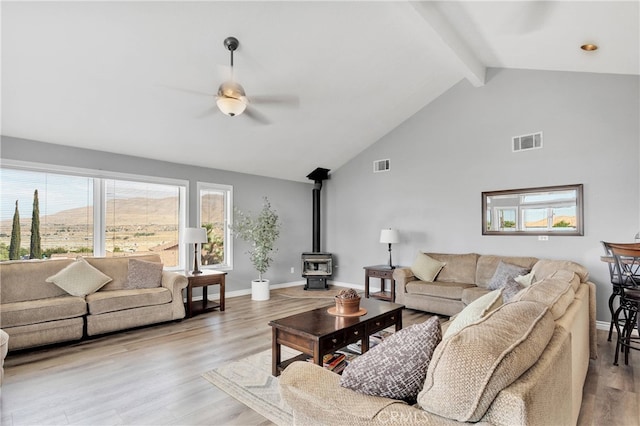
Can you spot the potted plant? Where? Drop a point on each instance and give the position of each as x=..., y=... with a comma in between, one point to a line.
x=261, y=232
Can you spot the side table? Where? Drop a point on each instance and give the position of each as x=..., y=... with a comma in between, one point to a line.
x=206, y=278
x=384, y=273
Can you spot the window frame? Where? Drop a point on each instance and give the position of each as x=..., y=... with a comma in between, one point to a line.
x=228, y=220
x=520, y=195
x=99, y=198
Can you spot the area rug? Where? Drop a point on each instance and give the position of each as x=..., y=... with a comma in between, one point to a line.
x=299, y=292
x=249, y=380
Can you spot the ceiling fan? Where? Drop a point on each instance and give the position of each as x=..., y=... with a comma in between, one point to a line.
x=231, y=99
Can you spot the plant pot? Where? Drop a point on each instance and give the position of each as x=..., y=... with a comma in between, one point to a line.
x=260, y=290
x=347, y=306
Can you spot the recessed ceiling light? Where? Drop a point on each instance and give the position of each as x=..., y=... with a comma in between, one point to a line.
x=589, y=47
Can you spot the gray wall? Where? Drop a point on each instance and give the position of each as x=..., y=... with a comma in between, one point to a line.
x=444, y=156
x=291, y=200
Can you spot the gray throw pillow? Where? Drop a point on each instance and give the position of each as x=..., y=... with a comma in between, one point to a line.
x=143, y=274
x=397, y=367
x=511, y=288
x=505, y=272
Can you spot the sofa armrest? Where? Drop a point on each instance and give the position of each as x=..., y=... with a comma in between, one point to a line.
x=175, y=282
x=402, y=276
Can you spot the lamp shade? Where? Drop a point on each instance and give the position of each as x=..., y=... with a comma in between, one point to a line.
x=389, y=236
x=194, y=235
x=231, y=106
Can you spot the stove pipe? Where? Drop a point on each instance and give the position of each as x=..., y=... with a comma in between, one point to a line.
x=318, y=175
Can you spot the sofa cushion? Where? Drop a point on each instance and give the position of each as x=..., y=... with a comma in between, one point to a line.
x=505, y=272
x=395, y=368
x=22, y=280
x=118, y=300
x=143, y=274
x=472, y=366
x=487, y=265
x=556, y=293
x=42, y=310
x=473, y=312
x=437, y=289
x=79, y=278
x=546, y=267
x=459, y=268
x=472, y=293
x=426, y=268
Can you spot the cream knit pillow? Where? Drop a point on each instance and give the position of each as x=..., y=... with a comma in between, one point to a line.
x=474, y=311
x=426, y=268
x=79, y=278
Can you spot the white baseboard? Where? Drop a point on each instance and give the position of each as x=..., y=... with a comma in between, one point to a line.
x=246, y=291
x=602, y=325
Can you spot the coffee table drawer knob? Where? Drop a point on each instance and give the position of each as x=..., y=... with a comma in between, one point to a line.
x=356, y=332
x=378, y=323
x=334, y=340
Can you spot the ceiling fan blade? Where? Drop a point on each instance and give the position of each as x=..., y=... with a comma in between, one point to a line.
x=193, y=92
x=287, y=100
x=214, y=109
x=255, y=115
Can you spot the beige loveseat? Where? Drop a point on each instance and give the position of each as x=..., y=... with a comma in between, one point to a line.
x=34, y=312
x=546, y=392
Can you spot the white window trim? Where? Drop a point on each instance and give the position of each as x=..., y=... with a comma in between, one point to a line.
x=99, y=197
x=228, y=246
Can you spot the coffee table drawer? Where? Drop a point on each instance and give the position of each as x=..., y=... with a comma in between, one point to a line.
x=341, y=339
x=383, y=322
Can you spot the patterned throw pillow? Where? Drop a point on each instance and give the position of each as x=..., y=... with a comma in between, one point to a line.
x=504, y=272
x=143, y=274
x=397, y=367
x=79, y=278
x=426, y=268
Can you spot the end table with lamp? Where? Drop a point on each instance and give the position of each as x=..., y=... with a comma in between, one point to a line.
x=384, y=272
x=198, y=278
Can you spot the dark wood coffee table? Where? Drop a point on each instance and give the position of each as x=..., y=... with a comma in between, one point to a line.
x=316, y=333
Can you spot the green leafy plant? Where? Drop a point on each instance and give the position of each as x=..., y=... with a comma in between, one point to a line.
x=261, y=232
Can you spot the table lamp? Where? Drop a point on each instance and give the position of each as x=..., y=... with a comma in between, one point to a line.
x=389, y=236
x=195, y=236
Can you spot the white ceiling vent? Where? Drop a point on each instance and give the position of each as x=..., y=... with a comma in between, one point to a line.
x=527, y=142
x=381, y=166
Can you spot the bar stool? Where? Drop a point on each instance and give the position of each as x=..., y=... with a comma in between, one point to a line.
x=616, y=291
x=626, y=318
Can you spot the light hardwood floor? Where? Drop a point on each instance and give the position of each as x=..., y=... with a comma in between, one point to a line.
x=152, y=375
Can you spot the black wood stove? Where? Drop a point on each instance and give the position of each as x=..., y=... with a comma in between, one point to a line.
x=317, y=266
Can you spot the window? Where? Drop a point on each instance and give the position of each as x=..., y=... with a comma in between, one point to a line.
x=64, y=204
x=142, y=217
x=82, y=212
x=214, y=213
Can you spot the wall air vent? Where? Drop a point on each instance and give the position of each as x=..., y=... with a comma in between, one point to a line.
x=527, y=142
x=381, y=166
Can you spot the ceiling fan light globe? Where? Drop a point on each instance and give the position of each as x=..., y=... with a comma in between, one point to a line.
x=231, y=106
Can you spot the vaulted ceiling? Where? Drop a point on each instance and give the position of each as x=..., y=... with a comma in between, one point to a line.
x=139, y=78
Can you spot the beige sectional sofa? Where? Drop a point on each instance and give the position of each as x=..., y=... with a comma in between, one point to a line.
x=34, y=312
x=462, y=280
x=524, y=362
